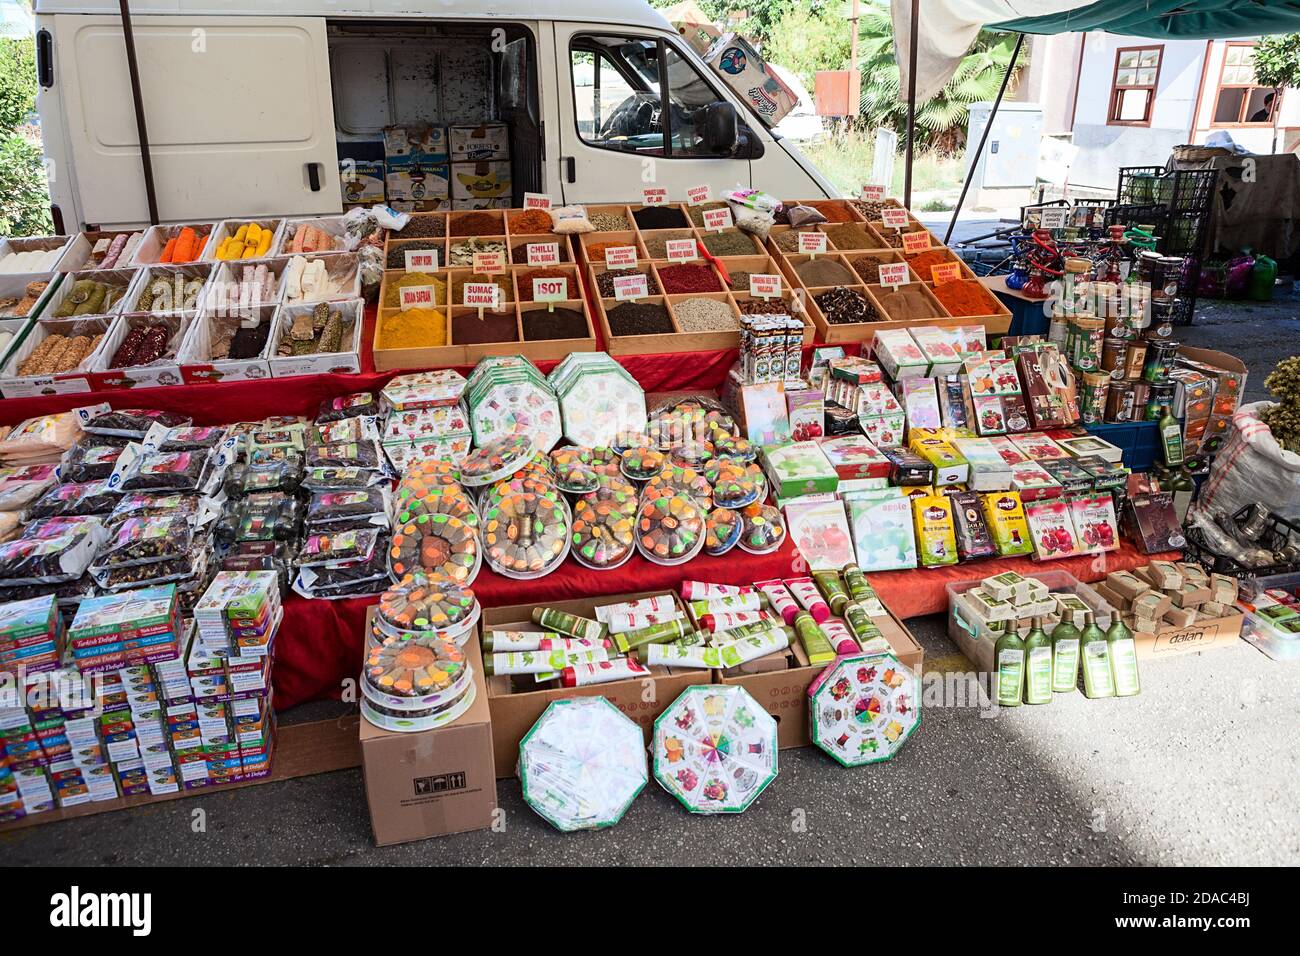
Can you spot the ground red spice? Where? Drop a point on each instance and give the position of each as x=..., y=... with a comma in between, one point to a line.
x=834, y=210
x=526, y=282
x=922, y=261
x=478, y=224
x=530, y=221
x=965, y=297
x=689, y=278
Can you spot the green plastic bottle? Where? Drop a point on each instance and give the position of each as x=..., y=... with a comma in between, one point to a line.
x=1038, y=665
x=1009, y=667
x=1094, y=658
x=1123, y=660
x=1263, y=275
x=1065, y=658
x=1171, y=437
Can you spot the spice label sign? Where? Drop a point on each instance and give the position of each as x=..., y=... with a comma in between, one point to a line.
x=417, y=297
x=543, y=253
x=550, y=290
x=421, y=260
x=681, y=250
x=813, y=243
x=489, y=263
x=873, y=192
x=894, y=274
x=537, y=201
x=764, y=286
x=698, y=195
x=631, y=287
x=945, y=272
x=916, y=241
x=894, y=217
x=482, y=295
x=654, y=197
x=619, y=257
x=717, y=219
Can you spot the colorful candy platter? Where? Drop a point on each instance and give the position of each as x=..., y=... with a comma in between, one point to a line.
x=604, y=529
x=418, y=684
x=764, y=530
x=864, y=707
x=582, y=764
x=421, y=604
x=526, y=534
x=715, y=749
x=507, y=397
x=670, y=529
x=436, y=544
x=495, y=459
x=724, y=530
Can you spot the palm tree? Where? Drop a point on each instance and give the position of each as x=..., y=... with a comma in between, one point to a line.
x=941, y=120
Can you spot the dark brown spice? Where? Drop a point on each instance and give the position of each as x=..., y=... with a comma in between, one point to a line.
x=639, y=318
x=660, y=217
x=605, y=282
x=560, y=324
x=469, y=329
x=423, y=226
x=476, y=224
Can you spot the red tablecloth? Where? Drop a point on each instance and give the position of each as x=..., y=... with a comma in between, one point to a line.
x=320, y=642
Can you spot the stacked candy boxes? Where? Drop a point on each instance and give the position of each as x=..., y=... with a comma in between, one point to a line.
x=116, y=630
x=30, y=635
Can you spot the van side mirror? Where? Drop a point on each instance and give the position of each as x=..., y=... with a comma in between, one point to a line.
x=720, y=129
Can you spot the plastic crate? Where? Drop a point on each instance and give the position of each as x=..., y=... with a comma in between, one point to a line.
x=976, y=641
x=1139, y=441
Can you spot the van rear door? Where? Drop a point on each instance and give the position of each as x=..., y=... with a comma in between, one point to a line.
x=611, y=83
x=238, y=112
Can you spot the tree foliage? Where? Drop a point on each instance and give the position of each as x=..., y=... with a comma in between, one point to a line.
x=24, y=192
x=1277, y=60
x=806, y=39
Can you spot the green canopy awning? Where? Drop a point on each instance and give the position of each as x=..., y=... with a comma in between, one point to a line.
x=1172, y=19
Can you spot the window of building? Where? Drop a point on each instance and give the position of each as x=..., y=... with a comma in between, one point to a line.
x=1133, y=90
x=1239, y=99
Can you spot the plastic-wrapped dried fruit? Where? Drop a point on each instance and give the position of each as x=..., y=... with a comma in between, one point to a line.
x=143, y=504
x=170, y=471
x=191, y=438
x=347, y=406
x=147, y=541
x=335, y=510
x=526, y=534
x=361, y=454
x=131, y=422
x=284, y=475
x=71, y=499
x=91, y=461
x=64, y=557
x=436, y=544
x=261, y=516
x=347, y=578
x=354, y=545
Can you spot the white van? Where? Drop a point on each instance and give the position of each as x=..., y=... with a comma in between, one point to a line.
x=248, y=103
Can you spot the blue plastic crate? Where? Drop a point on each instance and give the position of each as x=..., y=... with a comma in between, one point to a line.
x=1140, y=441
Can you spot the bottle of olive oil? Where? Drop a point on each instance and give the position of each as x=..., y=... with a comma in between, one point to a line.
x=1094, y=658
x=1009, y=669
x=1038, y=665
x=1123, y=660
x=1171, y=437
x=1065, y=657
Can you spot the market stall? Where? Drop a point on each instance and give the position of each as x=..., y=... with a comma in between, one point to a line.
x=717, y=443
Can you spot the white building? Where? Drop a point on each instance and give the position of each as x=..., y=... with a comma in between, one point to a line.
x=1126, y=101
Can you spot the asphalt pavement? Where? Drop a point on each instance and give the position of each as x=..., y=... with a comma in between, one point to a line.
x=1203, y=768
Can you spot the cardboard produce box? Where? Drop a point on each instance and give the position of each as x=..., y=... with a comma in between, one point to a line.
x=485, y=141
x=480, y=181
x=781, y=684
x=693, y=24
x=433, y=782
x=514, y=711
x=740, y=65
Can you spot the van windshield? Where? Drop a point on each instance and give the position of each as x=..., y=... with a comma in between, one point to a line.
x=618, y=93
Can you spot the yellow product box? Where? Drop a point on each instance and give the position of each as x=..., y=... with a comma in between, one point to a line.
x=950, y=465
x=936, y=535
x=1004, y=513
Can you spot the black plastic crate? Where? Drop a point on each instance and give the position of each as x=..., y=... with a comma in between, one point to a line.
x=1138, y=185
x=1193, y=190
x=1279, y=534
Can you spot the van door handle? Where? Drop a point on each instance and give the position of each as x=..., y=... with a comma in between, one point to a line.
x=313, y=176
x=570, y=169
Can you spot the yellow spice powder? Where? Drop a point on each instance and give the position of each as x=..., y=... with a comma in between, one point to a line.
x=393, y=293
x=413, y=329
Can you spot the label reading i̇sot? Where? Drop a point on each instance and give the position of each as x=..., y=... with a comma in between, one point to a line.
x=763, y=286
x=421, y=260
x=550, y=290
x=894, y=274
x=543, y=253
x=631, y=287
x=620, y=257
x=717, y=219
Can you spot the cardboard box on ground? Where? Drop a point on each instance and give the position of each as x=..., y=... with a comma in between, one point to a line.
x=432, y=782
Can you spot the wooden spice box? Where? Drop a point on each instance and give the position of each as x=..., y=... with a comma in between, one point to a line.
x=465, y=352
